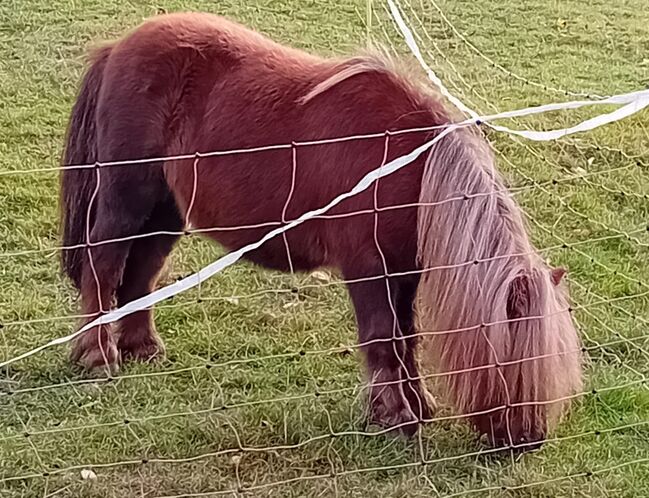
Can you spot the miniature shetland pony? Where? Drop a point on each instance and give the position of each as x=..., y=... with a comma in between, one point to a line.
x=441, y=233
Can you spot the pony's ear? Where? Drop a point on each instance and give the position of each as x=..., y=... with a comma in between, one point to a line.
x=518, y=300
x=557, y=274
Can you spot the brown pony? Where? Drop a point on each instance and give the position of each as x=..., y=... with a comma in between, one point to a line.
x=503, y=336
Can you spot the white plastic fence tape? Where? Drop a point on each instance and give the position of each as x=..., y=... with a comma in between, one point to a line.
x=635, y=101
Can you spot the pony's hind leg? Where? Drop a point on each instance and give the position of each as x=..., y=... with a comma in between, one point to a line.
x=124, y=201
x=103, y=265
x=138, y=338
x=95, y=349
x=385, y=328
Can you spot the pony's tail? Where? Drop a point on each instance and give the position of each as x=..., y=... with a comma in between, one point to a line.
x=78, y=184
x=502, y=343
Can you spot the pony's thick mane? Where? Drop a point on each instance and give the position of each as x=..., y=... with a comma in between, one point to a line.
x=346, y=70
x=374, y=59
x=493, y=277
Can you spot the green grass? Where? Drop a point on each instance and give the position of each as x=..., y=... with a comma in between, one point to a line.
x=156, y=425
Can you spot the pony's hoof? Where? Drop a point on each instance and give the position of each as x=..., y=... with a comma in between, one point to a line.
x=502, y=432
x=421, y=401
x=391, y=409
x=147, y=349
x=96, y=361
x=401, y=422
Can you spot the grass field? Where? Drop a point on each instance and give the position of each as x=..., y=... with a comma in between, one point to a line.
x=199, y=422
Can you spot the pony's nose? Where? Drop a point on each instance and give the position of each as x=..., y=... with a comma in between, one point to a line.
x=529, y=442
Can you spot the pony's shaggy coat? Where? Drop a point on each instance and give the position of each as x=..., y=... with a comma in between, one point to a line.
x=187, y=83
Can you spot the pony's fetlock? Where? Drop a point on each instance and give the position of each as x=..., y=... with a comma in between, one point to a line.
x=145, y=345
x=421, y=401
x=96, y=352
x=398, y=405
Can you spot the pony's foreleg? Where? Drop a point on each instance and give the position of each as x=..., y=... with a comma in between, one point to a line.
x=138, y=338
x=421, y=401
x=384, y=315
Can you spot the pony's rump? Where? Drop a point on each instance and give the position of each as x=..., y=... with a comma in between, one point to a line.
x=78, y=184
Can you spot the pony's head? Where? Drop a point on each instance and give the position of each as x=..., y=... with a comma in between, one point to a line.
x=502, y=336
x=536, y=358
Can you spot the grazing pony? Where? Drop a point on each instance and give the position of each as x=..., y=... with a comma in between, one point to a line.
x=443, y=229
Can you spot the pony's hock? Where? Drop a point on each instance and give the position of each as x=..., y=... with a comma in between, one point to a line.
x=501, y=335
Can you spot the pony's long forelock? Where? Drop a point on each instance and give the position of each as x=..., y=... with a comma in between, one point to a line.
x=518, y=359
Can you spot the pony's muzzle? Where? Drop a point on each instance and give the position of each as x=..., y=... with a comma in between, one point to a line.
x=506, y=431
x=523, y=444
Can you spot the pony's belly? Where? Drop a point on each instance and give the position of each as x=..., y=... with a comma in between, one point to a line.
x=294, y=251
